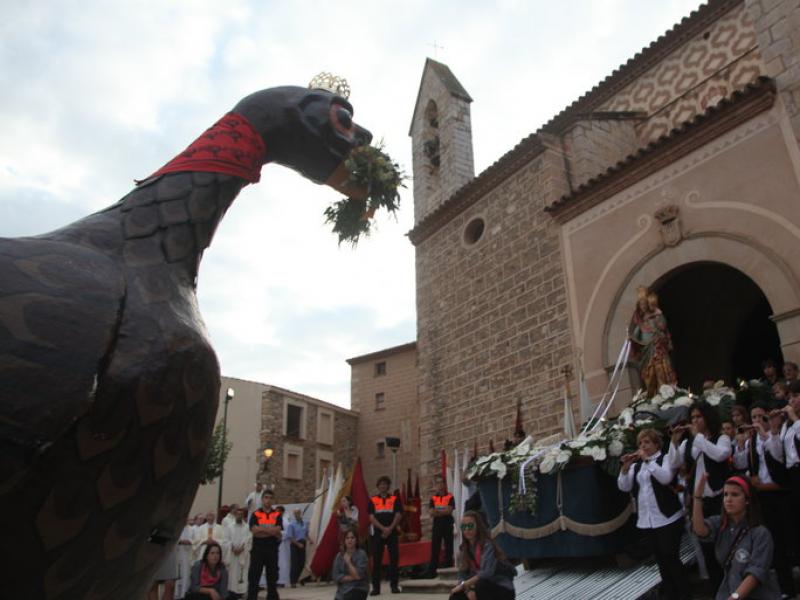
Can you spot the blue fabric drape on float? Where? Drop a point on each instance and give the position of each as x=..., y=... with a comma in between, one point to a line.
x=589, y=495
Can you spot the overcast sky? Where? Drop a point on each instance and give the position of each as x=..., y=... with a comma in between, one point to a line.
x=95, y=94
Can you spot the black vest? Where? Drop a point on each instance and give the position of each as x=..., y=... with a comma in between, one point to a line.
x=666, y=499
x=776, y=469
x=718, y=472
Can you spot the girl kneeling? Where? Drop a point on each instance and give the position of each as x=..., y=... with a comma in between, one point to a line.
x=482, y=571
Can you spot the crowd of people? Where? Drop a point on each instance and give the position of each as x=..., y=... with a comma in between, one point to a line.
x=235, y=557
x=731, y=478
x=735, y=479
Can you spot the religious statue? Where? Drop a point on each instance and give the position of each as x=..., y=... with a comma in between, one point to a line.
x=651, y=343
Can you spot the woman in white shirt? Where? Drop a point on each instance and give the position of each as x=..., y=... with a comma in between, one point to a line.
x=659, y=510
x=705, y=450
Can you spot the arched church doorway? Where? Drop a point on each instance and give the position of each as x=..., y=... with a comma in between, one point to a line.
x=719, y=321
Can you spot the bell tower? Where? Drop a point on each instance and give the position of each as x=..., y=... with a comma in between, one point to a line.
x=441, y=139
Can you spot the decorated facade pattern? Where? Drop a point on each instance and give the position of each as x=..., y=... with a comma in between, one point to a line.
x=708, y=68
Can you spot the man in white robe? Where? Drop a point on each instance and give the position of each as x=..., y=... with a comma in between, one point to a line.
x=229, y=518
x=240, y=540
x=199, y=521
x=253, y=501
x=184, y=558
x=210, y=531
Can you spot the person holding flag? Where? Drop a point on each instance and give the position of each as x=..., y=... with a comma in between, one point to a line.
x=442, y=505
x=385, y=512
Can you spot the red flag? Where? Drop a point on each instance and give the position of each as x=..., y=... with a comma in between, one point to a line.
x=416, y=519
x=360, y=496
x=403, y=495
x=328, y=546
x=518, y=423
x=416, y=487
x=409, y=489
x=443, y=462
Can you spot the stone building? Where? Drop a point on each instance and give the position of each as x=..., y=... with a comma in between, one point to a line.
x=384, y=394
x=306, y=437
x=680, y=171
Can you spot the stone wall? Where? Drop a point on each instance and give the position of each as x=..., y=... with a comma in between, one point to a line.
x=397, y=417
x=288, y=488
x=452, y=133
x=492, y=317
x=777, y=26
x=593, y=145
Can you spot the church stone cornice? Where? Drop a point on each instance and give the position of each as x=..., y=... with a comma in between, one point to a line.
x=731, y=112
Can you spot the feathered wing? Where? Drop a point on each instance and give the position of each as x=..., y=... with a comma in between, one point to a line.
x=60, y=306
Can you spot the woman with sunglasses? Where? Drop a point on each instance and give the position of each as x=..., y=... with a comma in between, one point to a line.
x=209, y=577
x=743, y=546
x=350, y=568
x=483, y=572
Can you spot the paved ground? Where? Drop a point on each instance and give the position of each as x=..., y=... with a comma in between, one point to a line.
x=327, y=592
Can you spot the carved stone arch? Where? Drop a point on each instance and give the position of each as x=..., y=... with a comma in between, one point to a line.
x=611, y=312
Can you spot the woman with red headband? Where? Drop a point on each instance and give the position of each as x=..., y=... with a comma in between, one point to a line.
x=742, y=545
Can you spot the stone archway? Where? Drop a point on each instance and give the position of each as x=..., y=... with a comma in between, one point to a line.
x=609, y=315
x=720, y=323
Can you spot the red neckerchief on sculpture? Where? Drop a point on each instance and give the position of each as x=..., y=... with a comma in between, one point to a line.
x=231, y=146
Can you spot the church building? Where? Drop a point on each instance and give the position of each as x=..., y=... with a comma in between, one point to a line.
x=679, y=172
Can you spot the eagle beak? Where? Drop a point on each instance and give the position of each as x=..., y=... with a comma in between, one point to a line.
x=338, y=180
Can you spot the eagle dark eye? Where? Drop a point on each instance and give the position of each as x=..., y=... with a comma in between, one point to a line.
x=344, y=117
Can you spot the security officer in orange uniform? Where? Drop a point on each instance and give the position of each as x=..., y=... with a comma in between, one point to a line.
x=266, y=524
x=442, y=506
x=385, y=512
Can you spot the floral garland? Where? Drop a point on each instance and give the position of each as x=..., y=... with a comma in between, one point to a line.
x=603, y=443
x=371, y=169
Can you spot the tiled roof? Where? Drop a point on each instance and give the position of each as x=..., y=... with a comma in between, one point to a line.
x=641, y=62
x=447, y=78
x=382, y=353
x=716, y=120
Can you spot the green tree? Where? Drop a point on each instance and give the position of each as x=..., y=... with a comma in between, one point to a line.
x=217, y=455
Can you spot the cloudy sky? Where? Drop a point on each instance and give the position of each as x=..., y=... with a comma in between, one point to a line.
x=96, y=94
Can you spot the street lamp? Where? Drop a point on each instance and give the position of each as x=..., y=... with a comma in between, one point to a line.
x=228, y=397
x=393, y=444
x=268, y=452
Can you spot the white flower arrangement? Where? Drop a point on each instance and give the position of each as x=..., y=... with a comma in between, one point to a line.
x=563, y=456
x=607, y=440
x=615, y=448
x=666, y=391
x=547, y=464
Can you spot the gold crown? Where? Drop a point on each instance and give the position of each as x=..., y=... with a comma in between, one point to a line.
x=331, y=83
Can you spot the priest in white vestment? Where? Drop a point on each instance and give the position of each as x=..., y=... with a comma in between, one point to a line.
x=184, y=559
x=253, y=501
x=240, y=540
x=229, y=518
x=209, y=531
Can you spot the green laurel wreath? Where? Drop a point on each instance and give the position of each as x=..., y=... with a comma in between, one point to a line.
x=372, y=169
